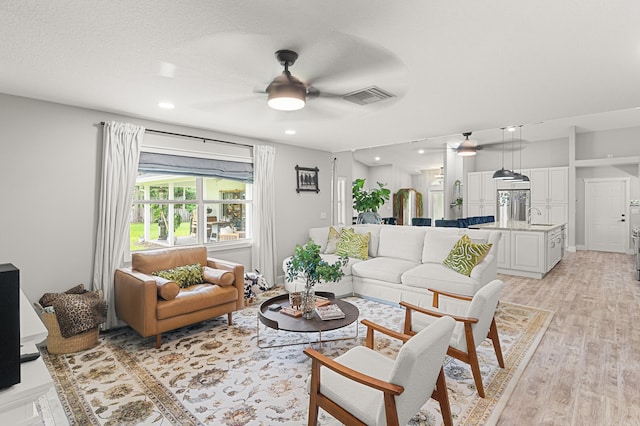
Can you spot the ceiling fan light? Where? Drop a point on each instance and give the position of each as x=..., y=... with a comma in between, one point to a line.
x=286, y=103
x=286, y=93
x=466, y=151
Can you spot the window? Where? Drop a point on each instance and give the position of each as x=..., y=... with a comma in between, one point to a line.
x=178, y=201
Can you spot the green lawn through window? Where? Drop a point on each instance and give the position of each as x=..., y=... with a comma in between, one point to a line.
x=136, y=231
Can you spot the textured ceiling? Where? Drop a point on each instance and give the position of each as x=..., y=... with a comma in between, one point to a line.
x=454, y=66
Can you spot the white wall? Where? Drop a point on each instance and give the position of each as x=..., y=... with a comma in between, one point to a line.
x=549, y=153
x=50, y=162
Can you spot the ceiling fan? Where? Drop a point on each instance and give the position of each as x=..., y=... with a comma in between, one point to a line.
x=468, y=147
x=288, y=93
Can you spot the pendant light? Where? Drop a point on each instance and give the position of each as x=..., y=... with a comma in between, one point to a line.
x=503, y=174
x=525, y=178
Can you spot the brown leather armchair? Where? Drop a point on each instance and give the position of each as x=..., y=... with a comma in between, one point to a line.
x=152, y=305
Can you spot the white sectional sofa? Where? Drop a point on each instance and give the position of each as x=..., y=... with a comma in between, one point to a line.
x=404, y=261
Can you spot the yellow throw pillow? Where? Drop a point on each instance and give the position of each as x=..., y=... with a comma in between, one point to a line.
x=332, y=240
x=465, y=255
x=353, y=245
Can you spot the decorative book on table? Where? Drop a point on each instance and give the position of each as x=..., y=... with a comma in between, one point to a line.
x=329, y=312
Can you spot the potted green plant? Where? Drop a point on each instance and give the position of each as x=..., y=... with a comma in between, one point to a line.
x=367, y=203
x=307, y=263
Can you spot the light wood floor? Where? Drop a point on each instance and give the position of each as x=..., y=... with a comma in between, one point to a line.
x=586, y=370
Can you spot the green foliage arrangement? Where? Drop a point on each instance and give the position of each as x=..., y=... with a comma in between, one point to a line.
x=306, y=261
x=369, y=201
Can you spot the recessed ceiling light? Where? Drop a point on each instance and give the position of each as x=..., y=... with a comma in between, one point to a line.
x=421, y=151
x=166, y=105
x=377, y=158
x=290, y=132
x=511, y=128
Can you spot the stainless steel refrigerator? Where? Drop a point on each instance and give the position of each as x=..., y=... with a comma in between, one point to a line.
x=512, y=205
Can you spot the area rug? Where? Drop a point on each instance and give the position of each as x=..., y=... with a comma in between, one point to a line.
x=215, y=374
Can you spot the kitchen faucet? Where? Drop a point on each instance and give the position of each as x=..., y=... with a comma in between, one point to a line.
x=538, y=212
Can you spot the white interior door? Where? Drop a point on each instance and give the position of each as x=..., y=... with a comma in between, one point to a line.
x=607, y=224
x=436, y=204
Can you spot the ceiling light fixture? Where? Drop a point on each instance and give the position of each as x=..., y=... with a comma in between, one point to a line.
x=290, y=132
x=377, y=158
x=286, y=92
x=166, y=105
x=421, y=151
x=466, y=148
x=503, y=174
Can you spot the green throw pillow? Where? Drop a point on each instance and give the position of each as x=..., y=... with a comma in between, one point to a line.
x=353, y=245
x=465, y=255
x=185, y=276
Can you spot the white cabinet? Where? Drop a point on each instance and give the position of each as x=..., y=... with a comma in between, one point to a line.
x=504, y=250
x=481, y=194
x=555, y=243
x=528, y=251
x=550, y=195
x=17, y=402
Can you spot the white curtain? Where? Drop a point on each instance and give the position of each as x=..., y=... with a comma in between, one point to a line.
x=264, y=219
x=120, y=154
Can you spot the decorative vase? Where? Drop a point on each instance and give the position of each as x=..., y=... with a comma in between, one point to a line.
x=369, y=217
x=308, y=304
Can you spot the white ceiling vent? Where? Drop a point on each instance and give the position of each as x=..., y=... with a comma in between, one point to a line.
x=368, y=96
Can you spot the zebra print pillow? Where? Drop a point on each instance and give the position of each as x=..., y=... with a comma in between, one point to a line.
x=465, y=255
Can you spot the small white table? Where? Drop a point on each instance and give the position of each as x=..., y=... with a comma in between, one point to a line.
x=17, y=403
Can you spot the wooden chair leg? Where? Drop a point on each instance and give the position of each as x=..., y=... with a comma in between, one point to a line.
x=493, y=335
x=441, y=395
x=313, y=393
x=475, y=369
x=158, y=340
x=230, y=318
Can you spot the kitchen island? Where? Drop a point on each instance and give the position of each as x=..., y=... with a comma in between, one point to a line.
x=527, y=250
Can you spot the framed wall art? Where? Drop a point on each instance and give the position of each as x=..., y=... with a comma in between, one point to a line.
x=307, y=179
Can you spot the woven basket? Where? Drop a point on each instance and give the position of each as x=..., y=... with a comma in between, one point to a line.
x=56, y=344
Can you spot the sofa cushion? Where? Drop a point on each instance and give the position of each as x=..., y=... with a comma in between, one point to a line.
x=319, y=236
x=402, y=242
x=383, y=269
x=465, y=255
x=353, y=245
x=439, y=277
x=195, y=298
x=162, y=259
x=185, y=276
x=218, y=276
x=438, y=245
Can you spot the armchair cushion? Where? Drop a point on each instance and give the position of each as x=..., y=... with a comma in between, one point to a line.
x=185, y=276
x=218, y=276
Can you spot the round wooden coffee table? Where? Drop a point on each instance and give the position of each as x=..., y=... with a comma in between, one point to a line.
x=279, y=321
